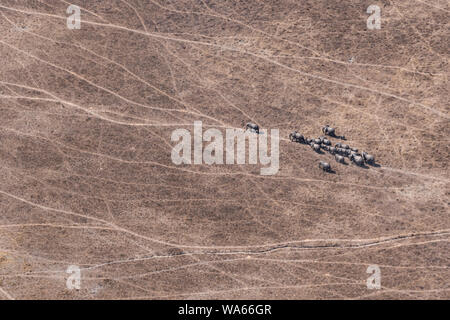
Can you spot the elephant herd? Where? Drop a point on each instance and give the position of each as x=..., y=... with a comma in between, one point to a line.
x=339, y=150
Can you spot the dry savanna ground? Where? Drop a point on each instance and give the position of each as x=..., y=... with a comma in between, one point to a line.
x=86, y=176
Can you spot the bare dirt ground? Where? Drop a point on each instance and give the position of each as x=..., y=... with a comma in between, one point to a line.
x=86, y=176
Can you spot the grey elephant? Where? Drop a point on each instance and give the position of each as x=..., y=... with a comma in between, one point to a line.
x=339, y=158
x=357, y=160
x=329, y=131
x=341, y=151
x=252, y=127
x=315, y=147
x=356, y=154
x=325, y=166
x=370, y=159
x=296, y=137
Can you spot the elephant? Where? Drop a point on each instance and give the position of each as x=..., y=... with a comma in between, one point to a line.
x=357, y=160
x=252, y=127
x=370, y=159
x=341, y=151
x=329, y=131
x=325, y=166
x=315, y=146
x=356, y=154
x=339, y=158
x=296, y=137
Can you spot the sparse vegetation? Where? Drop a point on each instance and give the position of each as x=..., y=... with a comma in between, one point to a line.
x=86, y=176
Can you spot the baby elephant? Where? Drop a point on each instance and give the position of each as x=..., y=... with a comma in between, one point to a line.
x=370, y=159
x=339, y=158
x=325, y=166
x=252, y=127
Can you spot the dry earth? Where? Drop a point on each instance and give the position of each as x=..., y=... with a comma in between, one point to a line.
x=86, y=176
